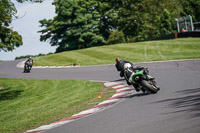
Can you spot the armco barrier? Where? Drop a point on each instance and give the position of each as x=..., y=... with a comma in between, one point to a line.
x=179, y=35
x=189, y=34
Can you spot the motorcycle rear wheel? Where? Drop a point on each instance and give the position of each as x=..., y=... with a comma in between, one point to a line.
x=148, y=86
x=26, y=69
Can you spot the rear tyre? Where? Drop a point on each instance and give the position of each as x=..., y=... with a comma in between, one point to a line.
x=26, y=69
x=148, y=86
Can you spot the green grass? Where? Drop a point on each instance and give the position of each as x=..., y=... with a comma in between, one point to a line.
x=26, y=104
x=175, y=49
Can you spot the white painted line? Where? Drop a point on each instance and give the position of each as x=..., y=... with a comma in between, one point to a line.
x=123, y=89
x=119, y=86
x=123, y=93
x=46, y=127
x=109, y=101
x=111, y=84
x=89, y=111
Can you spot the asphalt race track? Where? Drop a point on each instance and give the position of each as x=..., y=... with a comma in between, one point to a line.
x=174, y=109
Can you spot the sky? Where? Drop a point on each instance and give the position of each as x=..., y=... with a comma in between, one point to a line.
x=28, y=26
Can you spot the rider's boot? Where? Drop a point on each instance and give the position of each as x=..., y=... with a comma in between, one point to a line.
x=143, y=90
x=137, y=88
x=150, y=77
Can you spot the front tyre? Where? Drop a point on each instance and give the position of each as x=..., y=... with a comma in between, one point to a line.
x=148, y=86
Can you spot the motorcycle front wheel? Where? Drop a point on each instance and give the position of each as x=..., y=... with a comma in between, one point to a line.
x=149, y=87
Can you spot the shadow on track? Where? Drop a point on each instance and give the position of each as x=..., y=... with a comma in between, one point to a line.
x=189, y=101
x=139, y=95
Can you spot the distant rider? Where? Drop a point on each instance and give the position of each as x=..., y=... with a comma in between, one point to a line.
x=29, y=62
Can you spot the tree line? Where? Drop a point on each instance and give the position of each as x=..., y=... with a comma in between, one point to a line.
x=87, y=23
x=27, y=56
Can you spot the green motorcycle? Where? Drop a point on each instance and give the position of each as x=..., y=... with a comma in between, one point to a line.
x=145, y=81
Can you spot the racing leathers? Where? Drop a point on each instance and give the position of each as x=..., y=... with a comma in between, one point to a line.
x=120, y=66
x=29, y=62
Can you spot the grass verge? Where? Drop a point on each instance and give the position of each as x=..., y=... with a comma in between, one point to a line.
x=26, y=103
x=175, y=49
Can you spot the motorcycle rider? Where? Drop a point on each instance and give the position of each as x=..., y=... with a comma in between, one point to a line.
x=120, y=65
x=129, y=71
x=29, y=62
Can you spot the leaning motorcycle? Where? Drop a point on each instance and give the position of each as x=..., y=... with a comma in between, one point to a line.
x=27, y=67
x=145, y=81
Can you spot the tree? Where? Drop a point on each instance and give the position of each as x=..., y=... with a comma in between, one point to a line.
x=109, y=15
x=82, y=24
x=116, y=37
x=9, y=39
x=191, y=7
x=166, y=23
x=74, y=27
x=140, y=19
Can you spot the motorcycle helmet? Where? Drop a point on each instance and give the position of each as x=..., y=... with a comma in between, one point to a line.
x=117, y=59
x=127, y=65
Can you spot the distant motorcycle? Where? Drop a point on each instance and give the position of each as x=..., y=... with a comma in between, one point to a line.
x=145, y=82
x=27, y=67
